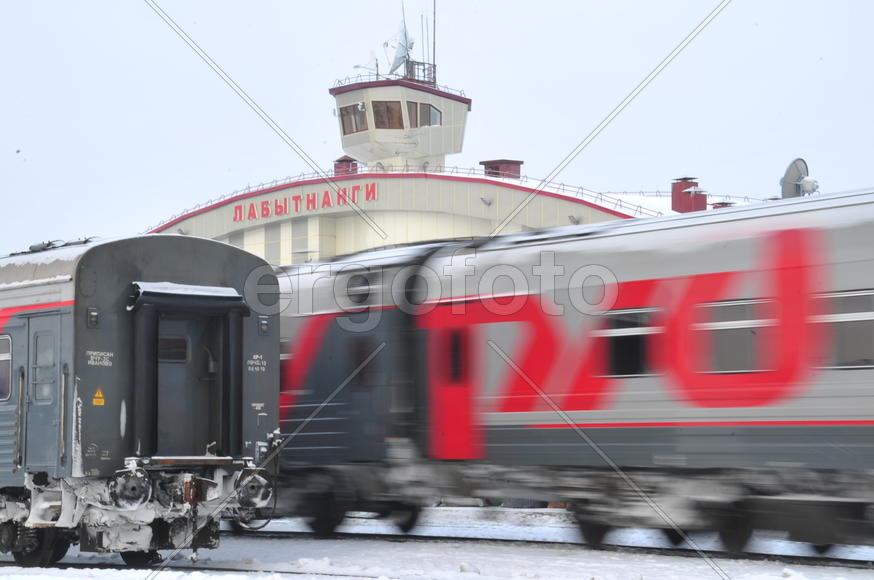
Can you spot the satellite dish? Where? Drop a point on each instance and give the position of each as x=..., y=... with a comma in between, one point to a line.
x=796, y=181
x=403, y=46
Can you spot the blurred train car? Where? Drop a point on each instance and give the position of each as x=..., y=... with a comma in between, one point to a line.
x=134, y=388
x=703, y=371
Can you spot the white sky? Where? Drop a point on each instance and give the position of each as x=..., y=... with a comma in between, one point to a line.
x=110, y=124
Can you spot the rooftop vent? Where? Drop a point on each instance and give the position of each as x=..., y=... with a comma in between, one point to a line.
x=502, y=168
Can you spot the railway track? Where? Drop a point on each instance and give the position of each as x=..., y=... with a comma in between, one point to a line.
x=184, y=565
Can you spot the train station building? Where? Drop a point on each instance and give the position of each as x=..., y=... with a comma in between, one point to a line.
x=393, y=185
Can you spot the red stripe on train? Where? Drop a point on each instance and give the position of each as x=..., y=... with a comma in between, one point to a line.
x=7, y=313
x=303, y=352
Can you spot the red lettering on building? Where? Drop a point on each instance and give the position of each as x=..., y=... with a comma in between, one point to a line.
x=313, y=201
x=280, y=206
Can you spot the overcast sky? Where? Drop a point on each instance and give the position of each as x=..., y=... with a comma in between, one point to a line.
x=109, y=123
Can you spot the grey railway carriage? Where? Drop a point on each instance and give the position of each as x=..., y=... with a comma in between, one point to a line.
x=718, y=365
x=135, y=391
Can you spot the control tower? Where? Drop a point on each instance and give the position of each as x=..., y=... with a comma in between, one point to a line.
x=401, y=122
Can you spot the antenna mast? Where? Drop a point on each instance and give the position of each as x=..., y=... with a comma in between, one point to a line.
x=434, y=36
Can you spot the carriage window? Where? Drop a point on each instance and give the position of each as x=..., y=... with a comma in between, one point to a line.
x=387, y=115
x=5, y=367
x=44, y=369
x=362, y=349
x=737, y=331
x=172, y=349
x=851, y=329
x=627, y=334
x=353, y=119
x=456, y=345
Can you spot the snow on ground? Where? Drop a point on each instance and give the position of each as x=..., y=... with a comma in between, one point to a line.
x=421, y=559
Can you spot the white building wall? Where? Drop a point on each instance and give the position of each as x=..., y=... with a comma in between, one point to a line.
x=407, y=209
x=253, y=241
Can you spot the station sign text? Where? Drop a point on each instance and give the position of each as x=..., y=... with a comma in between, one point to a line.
x=305, y=202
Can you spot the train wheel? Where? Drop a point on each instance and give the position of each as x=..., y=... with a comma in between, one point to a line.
x=405, y=518
x=735, y=529
x=593, y=532
x=327, y=516
x=822, y=548
x=59, y=550
x=42, y=550
x=673, y=536
x=141, y=559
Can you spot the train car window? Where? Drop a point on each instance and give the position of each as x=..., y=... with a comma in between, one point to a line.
x=362, y=348
x=457, y=345
x=387, y=115
x=627, y=333
x=5, y=367
x=853, y=344
x=43, y=366
x=737, y=330
x=851, y=329
x=172, y=349
x=353, y=119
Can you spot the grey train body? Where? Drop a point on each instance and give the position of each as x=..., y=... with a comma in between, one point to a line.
x=135, y=383
x=723, y=363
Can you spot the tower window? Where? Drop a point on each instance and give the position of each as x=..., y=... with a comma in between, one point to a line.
x=353, y=119
x=387, y=115
x=423, y=115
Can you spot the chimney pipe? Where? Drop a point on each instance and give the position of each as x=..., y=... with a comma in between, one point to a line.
x=502, y=168
x=686, y=196
x=345, y=166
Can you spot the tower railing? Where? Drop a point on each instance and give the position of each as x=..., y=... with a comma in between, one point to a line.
x=370, y=77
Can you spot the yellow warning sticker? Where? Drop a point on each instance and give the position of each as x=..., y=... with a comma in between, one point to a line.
x=98, y=400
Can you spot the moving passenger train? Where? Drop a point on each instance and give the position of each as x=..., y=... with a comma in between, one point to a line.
x=701, y=371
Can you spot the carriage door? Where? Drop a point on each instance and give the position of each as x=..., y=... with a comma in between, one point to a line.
x=454, y=432
x=43, y=411
x=188, y=354
x=366, y=394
